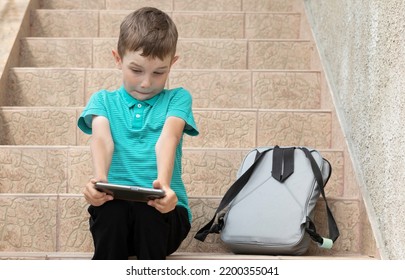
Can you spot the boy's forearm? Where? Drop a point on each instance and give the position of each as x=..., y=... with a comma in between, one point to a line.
x=102, y=151
x=165, y=155
x=166, y=148
x=102, y=147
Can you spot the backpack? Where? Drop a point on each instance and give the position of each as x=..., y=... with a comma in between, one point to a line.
x=270, y=207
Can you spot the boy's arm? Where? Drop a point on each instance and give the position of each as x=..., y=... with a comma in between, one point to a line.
x=165, y=155
x=102, y=147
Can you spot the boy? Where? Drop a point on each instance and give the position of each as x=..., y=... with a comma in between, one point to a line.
x=137, y=134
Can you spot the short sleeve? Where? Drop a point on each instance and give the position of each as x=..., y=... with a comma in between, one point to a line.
x=95, y=107
x=181, y=107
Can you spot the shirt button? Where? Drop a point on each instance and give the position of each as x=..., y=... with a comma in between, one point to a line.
x=137, y=116
x=139, y=105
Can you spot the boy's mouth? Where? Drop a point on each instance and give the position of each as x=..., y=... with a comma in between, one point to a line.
x=142, y=93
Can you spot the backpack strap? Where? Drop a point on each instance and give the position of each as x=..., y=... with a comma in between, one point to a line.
x=236, y=187
x=310, y=226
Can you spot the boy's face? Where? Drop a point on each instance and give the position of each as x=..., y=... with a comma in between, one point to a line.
x=143, y=77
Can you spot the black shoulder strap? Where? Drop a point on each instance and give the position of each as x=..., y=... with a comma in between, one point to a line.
x=236, y=187
x=333, y=229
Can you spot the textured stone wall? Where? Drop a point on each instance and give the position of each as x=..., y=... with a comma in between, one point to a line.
x=362, y=46
x=13, y=24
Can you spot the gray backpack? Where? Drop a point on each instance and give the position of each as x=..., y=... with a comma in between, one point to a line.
x=270, y=207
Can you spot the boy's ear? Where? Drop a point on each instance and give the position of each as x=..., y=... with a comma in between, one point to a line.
x=174, y=59
x=117, y=59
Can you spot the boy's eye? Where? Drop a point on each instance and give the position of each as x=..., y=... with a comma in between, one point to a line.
x=158, y=73
x=136, y=70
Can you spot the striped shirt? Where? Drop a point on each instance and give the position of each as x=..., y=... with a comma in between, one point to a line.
x=135, y=128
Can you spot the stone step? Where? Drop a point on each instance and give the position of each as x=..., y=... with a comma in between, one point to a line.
x=179, y=5
x=210, y=88
x=59, y=223
x=219, y=128
x=66, y=169
x=194, y=53
x=176, y=256
x=106, y=23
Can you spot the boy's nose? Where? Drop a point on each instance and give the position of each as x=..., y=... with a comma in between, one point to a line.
x=145, y=83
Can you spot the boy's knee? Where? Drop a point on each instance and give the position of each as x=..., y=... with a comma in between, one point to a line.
x=115, y=211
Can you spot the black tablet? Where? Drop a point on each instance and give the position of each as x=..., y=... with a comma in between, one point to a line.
x=132, y=193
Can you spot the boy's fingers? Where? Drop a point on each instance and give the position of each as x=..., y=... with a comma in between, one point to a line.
x=93, y=196
x=163, y=205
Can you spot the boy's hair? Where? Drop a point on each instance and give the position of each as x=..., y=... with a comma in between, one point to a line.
x=149, y=30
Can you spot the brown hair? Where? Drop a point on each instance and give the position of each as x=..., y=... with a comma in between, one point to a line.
x=150, y=30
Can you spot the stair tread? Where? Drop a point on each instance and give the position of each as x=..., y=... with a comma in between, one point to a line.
x=180, y=256
x=234, y=5
x=125, y=11
x=198, y=109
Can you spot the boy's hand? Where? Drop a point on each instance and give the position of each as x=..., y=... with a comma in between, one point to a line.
x=93, y=196
x=167, y=203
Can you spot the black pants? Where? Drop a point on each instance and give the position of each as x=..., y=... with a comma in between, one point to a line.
x=122, y=229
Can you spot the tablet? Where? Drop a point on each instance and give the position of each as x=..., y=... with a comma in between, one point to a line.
x=132, y=193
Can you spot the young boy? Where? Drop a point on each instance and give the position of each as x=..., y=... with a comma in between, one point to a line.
x=137, y=134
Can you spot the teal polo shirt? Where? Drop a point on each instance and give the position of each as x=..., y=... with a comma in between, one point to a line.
x=135, y=128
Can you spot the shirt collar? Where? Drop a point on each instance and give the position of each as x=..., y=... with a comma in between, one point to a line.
x=131, y=101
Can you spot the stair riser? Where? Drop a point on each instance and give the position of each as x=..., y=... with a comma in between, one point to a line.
x=244, y=129
x=218, y=128
x=61, y=224
x=28, y=224
x=194, y=54
x=179, y=5
x=267, y=90
x=26, y=126
x=210, y=89
x=67, y=170
x=50, y=23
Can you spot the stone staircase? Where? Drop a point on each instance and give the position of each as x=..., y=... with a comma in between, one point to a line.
x=256, y=79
